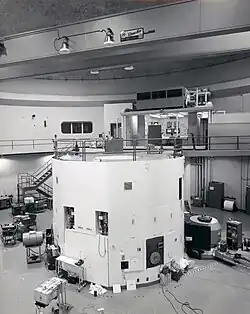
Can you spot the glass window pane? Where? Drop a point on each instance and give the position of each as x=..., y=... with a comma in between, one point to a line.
x=76, y=127
x=66, y=128
x=87, y=127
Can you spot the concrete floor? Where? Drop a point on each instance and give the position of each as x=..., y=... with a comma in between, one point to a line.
x=213, y=287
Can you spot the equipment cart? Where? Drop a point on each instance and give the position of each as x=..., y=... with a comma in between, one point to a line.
x=8, y=234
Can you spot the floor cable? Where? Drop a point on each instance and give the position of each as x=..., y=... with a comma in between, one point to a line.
x=184, y=305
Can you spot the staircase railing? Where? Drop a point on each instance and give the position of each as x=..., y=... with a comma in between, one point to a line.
x=45, y=188
x=43, y=169
x=26, y=180
x=48, y=165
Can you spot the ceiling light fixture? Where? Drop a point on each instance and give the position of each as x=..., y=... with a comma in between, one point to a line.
x=65, y=46
x=94, y=72
x=109, y=36
x=3, y=51
x=129, y=68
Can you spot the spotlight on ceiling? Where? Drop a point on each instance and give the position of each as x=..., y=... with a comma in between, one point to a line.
x=129, y=68
x=65, y=48
x=109, y=37
x=94, y=72
x=3, y=51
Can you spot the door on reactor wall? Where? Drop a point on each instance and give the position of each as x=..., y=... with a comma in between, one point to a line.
x=154, y=252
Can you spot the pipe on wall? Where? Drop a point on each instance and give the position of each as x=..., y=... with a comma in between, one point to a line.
x=196, y=164
x=241, y=183
x=244, y=166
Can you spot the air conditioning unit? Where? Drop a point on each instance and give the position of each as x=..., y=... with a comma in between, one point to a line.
x=172, y=98
x=163, y=99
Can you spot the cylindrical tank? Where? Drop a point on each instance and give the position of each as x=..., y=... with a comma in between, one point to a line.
x=214, y=225
x=33, y=238
x=143, y=226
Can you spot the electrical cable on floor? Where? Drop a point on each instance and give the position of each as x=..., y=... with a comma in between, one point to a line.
x=183, y=304
x=167, y=298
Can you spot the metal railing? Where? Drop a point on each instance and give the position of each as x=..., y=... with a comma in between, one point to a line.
x=36, y=181
x=30, y=182
x=26, y=180
x=241, y=142
x=88, y=149
x=26, y=146
x=32, y=143
x=48, y=165
x=43, y=169
x=175, y=146
x=217, y=142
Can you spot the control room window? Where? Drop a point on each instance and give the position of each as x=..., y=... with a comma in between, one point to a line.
x=80, y=127
x=87, y=127
x=66, y=128
x=77, y=127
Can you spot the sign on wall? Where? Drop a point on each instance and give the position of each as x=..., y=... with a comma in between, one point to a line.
x=134, y=34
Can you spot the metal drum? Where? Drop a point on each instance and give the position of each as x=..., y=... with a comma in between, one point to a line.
x=214, y=225
x=33, y=238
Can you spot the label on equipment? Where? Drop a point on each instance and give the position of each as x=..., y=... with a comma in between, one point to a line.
x=132, y=34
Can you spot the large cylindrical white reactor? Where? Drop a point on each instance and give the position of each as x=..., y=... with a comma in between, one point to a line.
x=124, y=218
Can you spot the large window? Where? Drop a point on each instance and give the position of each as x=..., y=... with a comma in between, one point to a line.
x=78, y=127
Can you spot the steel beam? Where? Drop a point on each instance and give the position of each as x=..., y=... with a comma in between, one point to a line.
x=166, y=111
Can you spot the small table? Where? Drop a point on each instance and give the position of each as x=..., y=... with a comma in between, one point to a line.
x=69, y=265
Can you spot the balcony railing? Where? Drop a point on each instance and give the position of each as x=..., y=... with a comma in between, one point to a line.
x=27, y=146
x=174, y=146
x=168, y=144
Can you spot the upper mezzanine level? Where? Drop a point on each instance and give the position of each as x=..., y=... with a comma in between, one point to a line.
x=93, y=147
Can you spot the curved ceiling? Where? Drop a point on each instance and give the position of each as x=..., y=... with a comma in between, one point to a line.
x=17, y=16
x=148, y=68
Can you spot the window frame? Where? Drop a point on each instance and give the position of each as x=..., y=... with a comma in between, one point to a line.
x=76, y=124
x=70, y=127
x=86, y=127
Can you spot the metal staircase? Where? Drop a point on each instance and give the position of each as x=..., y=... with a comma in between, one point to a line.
x=34, y=184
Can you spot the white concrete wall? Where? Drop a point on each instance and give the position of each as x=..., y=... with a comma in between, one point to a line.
x=235, y=122
x=153, y=198
x=233, y=171
x=232, y=117
x=16, y=123
x=238, y=103
x=152, y=204
x=12, y=165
